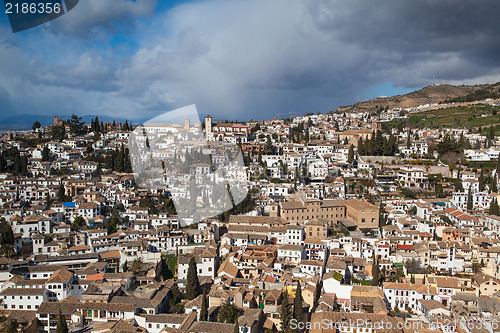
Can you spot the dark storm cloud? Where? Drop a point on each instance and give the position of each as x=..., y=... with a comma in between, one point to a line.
x=253, y=59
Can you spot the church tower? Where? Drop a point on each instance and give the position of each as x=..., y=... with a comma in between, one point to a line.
x=208, y=127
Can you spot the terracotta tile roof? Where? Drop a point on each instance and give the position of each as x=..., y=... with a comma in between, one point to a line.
x=60, y=276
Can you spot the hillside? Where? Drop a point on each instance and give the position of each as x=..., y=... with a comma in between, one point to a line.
x=429, y=95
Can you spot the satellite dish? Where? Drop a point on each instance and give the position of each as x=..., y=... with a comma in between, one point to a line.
x=27, y=14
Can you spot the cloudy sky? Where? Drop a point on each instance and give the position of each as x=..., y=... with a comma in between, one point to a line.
x=242, y=59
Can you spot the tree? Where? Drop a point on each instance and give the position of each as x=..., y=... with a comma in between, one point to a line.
x=204, y=307
x=375, y=273
x=62, y=326
x=383, y=215
x=137, y=266
x=45, y=153
x=350, y=155
x=298, y=310
x=412, y=279
x=57, y=133
x=125, y=266
x=76, y=125
x=228, y=313
x=413, y=267
x=112, y=224
x=236, y=328
x=7, y=250
x=407, y=193
x=481, y=180
x=469, y=200
x=36, y=125
x=498, y=168
x=285, y=312
x=61, y=194
x=78, y=223
x=48, y=202
x=192, y=283
x=494, y=208
x=11, y=326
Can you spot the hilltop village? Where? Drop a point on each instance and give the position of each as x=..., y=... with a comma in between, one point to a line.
x=354, y=221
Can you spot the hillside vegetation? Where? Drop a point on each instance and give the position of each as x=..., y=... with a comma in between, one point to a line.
x=471, y=117
x=429, y=95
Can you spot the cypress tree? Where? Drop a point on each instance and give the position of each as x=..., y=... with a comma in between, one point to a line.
x=204, y=307
x=45, y=153
x=469, y=200
x=494, y=208
x=375, y=273
x=498, y=168
x=62, y=326
x=350, y=155
x=481, y=180
x=298, y=310
x=285, y=313
x=60, y=193
x=192, y=283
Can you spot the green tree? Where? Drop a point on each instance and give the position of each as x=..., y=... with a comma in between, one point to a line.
x=285, y=312
x=228, y=313
x=78, y=223
x=112, y=224
x=125, y=266
x=204, y=307
x=6, y=235
x=76, y=125
x=350, y=155
x=481, y=180
x=494, y=208
x=61, y=193
x=12, y=326
x=192, y=283
x=36, y=125
x=407, y=193
x=412, y=279
x=137, y=266
x=62, y=326
x=298, y=310
x=375, y=273
x=57, y=133
x=469, y=200
x=7, y=250
x=497, y=174
x=45, y=153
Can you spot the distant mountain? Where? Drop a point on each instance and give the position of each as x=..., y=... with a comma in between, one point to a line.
x=430, y=95
x=25, y=121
